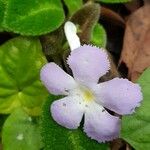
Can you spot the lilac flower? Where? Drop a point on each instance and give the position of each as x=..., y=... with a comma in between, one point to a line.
x=84, y=96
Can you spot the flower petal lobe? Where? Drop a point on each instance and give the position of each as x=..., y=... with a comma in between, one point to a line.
x=88, y=63
x=67, y=112
x=100, y=125
x=119, y=95
x=56, y=80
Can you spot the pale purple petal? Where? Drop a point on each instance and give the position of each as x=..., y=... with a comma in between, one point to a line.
x=56, y=80
x=88, y=63
x=100, y=125
x=68, y=112
x=119, y=95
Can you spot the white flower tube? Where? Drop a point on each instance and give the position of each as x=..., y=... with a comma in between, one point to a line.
x=71, y=35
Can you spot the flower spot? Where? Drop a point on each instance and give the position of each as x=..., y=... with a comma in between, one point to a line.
x=132, y=110
x=85, y=61
x=64, y=104
x=103, y=110
x=66, y=90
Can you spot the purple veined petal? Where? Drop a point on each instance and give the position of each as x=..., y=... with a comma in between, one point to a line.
x=57, y=81
x=119, y=95
x=100, y=125
x=88, y=63
x=68, y=111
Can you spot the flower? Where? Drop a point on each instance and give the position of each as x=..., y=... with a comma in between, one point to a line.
x=84, y=96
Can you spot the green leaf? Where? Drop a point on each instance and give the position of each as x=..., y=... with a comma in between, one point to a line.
x=2, y=120
x=55, y=137
x=20, y=62
x=99, y=36
x=73, y=5
x=21, y=132
x=115, y=1
x=136, y=127
x=33, y=17
x=2, y=9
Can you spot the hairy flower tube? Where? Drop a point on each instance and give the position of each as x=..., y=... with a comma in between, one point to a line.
x=85, y=96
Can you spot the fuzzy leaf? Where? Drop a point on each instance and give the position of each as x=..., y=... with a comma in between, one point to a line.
x=73, y=5
x=33, y=17
x=56, y=137
x=86, y=18
x=2, y=9
x=21, y=132
x=115, y=1
x=20, y=62
x=136, y=127
x=99, y=36
x=52, y=45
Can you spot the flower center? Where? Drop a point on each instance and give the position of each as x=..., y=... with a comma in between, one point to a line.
x=84, y=93
x=87, y=95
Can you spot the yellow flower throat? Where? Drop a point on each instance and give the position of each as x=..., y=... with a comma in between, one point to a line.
x=87, y=95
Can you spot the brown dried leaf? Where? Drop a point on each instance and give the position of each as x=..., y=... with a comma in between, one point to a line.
x=111, y=16
x=136, y=47
x=133, y=5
